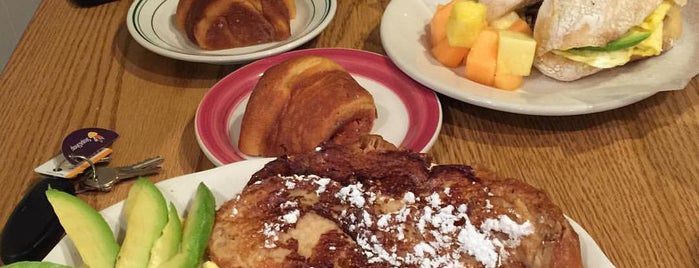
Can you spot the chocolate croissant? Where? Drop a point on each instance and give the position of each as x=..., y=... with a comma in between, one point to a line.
x=302, y=102
x=222, y=24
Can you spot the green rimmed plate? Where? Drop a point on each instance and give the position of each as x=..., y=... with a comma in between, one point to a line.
x=152, y=24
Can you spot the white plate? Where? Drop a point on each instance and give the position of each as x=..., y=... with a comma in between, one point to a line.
x=152, y=24
x=409, y=114
x=227, y=181
x=403, y=29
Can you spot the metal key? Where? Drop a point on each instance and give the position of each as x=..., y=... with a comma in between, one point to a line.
x=105, y=177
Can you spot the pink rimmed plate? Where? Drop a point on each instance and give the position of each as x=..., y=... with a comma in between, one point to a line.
x=409, y=115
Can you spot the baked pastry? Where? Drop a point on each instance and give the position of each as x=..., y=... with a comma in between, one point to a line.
x=369, y=204
x=302, y=102
x=221, y=24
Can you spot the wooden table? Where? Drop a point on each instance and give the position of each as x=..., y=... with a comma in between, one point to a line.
x=629, y=176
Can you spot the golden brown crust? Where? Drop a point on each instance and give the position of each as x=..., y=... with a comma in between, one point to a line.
x=183, y=7
x=221, y=24
x=302, y=102
x=371, y=205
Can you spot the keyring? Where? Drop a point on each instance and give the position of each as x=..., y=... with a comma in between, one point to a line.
x=89, y=162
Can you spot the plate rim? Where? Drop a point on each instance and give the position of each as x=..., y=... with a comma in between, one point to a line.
x=464, y=96
x=434, y=119
x=283, y=46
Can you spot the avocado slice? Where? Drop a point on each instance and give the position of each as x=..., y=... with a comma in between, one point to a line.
x=629, y=39
x=169, y=242
x=35, y=264
x=87, y=229
x=197, y=230
x=146, y=214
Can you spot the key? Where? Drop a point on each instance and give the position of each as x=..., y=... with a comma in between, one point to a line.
x=104, y=160
x=105, y=177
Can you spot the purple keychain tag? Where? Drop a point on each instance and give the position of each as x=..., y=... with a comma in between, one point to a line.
x=86, y=142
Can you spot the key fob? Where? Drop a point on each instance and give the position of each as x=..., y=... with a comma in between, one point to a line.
x=33, y=229
x=91, y=3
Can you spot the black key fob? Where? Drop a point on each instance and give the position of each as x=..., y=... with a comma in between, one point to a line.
x=33, y=228
x=91, y=3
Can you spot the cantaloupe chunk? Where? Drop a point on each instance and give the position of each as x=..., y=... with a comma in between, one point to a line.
x=520, y=26
x=507, y=81
x=482, y=59
x=291, y=5
x=438, y=24
x=447, y=55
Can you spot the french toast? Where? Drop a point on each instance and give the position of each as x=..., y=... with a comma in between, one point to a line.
x=370, y=204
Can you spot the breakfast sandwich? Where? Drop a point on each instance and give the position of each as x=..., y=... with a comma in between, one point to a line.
x=577, y=38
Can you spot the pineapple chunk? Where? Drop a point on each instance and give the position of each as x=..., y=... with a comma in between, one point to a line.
x=506, y=21
x=515, y=53
x=466, y=21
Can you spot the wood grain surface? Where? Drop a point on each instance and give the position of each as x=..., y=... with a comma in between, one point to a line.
x=629, y=176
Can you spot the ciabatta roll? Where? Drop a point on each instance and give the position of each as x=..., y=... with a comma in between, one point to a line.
x=498, y=8
x=563, y=25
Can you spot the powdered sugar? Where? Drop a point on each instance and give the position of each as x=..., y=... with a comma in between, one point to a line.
x=477, y=244
x=271, y=229
x=447, y=229
x=488, y=205
x=234, y=212
x=322, y=183
x=290, y=208
x=506, y=225
x=290, y=184
x=352, y=194
x=291, y=217
x=448, y=241
x=289, y=204
x=394, y=222
x=409, y=198
x=434, y=200
x=271, y=233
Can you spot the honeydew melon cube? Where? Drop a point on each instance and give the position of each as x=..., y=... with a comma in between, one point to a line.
x=515, y=53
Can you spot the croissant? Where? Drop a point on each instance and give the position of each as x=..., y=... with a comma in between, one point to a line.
x=222, y=24
x=369, y=205
x=302, y=102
